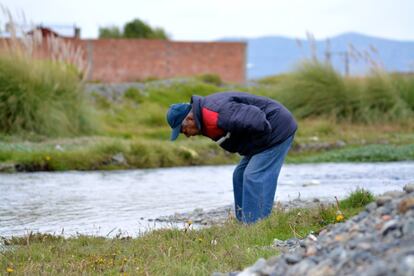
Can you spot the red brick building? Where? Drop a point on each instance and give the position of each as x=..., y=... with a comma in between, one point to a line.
x=122, y=60
x=128, y=60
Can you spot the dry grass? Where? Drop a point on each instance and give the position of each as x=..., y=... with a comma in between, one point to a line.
x=31, y=44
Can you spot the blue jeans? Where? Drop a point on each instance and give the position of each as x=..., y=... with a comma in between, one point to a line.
x=255, y=181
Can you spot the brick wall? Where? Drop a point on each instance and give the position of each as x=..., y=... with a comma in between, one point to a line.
x=125, y=60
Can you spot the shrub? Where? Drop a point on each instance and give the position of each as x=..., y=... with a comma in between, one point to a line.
x=134, y=94
x=211, y=79
x=317, y=90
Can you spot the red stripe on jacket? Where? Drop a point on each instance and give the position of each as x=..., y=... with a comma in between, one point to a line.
x=210, y=127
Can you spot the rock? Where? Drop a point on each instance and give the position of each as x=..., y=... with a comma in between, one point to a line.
x=272, y=260
x=408, y=264
x=408, y=227
x=292, y=259
x=360, y=216
x=301, y=268
x=381, y=200
x=313, y=182
x=7, y=168
x=354, y=228
x=364, y=246
x=371, y=207
x=409, y=188
x=341, y=238
x=406, y=204
x=259, y=265
x=118, y=159
x=388, y=226
x=378, y=268
x=394, y=194
x=278, y=243
x=340, y=143
x=323, y=232
x=386, y=217
x=279, y=269
x=311, y=250
x=59, y=147
x=385, y=210
x=321, y=270
x=292, y=242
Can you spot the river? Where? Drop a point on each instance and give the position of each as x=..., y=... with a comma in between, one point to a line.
x=108, y=202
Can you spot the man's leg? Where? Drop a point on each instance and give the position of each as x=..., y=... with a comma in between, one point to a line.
x=238, y=187
x=260, y=181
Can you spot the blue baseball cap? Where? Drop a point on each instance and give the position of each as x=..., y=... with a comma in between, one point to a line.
x=175, y=116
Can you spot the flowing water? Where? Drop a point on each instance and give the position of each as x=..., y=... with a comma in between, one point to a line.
x=101, y=203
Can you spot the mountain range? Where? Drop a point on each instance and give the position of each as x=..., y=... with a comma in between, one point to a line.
x=351, y=53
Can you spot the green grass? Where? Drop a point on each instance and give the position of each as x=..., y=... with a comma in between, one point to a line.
x=368, y=153
x=227, y=247
x=95, y=153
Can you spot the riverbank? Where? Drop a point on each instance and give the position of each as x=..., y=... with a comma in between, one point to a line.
x=100, y=153
x=189, y=251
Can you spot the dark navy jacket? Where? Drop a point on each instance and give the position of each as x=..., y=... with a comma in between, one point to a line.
x=242, y=122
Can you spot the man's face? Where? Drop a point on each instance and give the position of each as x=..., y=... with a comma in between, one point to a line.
x=189, y=126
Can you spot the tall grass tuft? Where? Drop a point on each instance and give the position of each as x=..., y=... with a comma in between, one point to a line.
x=315, y=89
x=42, y=96
x=357, y=199
x=380, y=99
x=405, y=86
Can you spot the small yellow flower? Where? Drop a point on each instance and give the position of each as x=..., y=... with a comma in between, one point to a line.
x=200, y=239
x=48, y=158
x=339, y=217
x=9, y=270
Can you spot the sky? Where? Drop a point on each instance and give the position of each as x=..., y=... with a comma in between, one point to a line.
x=197, y=20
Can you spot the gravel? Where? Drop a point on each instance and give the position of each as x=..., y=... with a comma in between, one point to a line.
x=377, y=241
